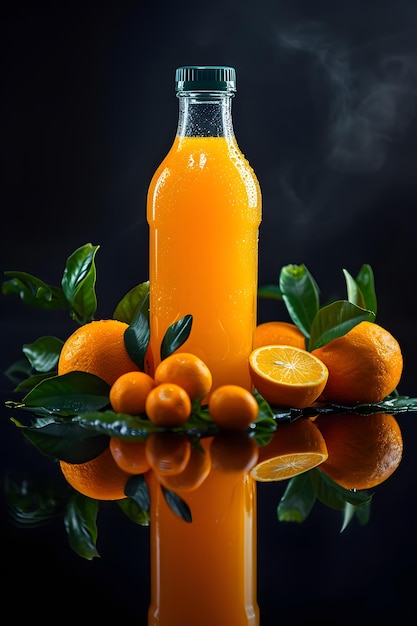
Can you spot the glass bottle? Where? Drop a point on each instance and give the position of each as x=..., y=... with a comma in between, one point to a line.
x=204, y=211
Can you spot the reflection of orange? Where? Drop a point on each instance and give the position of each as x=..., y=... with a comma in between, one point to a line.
x=129, y=392
x=364, y=450
x=194, y=474
x=129, y=455
x=168, y=405
x=97, y=348
x=233, y=451
x=168, y=453
x=365, y=365
x=278, y=333
x=295, y=448
x=101, y=478
x=186, y=370
x=232, y=407
x=287, y=376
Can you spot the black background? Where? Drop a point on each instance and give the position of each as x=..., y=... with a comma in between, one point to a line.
x=326, y=114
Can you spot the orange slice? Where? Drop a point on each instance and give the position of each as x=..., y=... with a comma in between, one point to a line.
x=296, y=447
x=287, y=376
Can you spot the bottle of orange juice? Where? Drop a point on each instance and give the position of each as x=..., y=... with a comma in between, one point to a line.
x=204, y=211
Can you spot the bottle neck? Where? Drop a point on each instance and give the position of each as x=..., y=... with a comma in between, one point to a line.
x=205, y=114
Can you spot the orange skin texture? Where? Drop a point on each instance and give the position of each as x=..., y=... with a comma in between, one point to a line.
x=365, y=365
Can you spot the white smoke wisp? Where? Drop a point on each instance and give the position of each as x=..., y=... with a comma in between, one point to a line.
x=371, y=96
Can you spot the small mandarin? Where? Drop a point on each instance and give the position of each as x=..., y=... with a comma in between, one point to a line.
x=129, y=455
x=168, y=405
x=232, y=407
x=129, y=392
x=186, y=370
x=100, y=479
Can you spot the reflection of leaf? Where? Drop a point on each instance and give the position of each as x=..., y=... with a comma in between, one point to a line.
x=134, y=512
x=67, y=441
x=80, y=524
x=333, y=495
x=32, y=502
x=298, y=499
x=137, y=489
x=177, y=504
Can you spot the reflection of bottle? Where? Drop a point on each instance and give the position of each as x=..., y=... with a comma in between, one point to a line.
x=203, y=573
x=204, y=210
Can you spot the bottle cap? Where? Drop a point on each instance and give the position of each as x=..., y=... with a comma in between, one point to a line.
x=205, y=78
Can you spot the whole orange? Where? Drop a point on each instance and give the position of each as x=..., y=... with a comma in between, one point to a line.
x=97, y=348
x=278, y=333
x=365, y=365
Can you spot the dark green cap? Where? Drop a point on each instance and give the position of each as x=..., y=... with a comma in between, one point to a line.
x=205, y=78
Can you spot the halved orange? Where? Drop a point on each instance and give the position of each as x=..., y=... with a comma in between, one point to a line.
x=287, y=376
x=295, y=447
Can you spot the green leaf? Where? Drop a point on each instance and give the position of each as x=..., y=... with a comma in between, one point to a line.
x=18, y=371
x=177, y=504
x=80, y=524
x=366, y=283
x=137, y=299
x=298, y=499
x=78, y=283
x=69, y=394
x=176, y=335
x=118, y=425
x=300, y=294
x=353, y=291
x=136, y=338
x=137, y=489
x=66, y=441
x=335, y=320
x=43, y=354
x=271, y=292
x=34, y=292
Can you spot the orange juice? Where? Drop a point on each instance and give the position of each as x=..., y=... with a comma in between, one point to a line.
x=203, y=573
x=204, y=211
